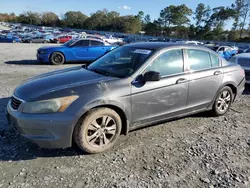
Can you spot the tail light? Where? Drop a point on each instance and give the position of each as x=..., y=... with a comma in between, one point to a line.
x=242, y=72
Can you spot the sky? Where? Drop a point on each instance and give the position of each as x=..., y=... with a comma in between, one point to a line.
x=124, y=7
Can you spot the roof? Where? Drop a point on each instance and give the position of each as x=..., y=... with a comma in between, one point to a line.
x=244, y=55
x=160, y=45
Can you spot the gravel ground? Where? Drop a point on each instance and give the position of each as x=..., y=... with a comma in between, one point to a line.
x=197, y=151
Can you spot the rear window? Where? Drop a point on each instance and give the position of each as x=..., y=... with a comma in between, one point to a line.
x=199, y=59
x=215, y=60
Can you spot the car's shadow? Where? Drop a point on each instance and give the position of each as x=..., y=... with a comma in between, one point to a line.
x=25, y=62
x=247, y=90
x=35, y=62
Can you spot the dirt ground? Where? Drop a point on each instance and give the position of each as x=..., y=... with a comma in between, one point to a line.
x=197, y=151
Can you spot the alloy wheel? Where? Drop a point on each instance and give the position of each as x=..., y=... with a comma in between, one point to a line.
x=224, y=101
x=101, y=131
x=58, y=59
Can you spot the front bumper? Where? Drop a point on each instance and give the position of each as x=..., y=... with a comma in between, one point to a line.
x=45, y=130
x=44, y=58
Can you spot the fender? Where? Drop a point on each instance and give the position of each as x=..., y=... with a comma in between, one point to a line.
x=107, y=103
x=217, y=93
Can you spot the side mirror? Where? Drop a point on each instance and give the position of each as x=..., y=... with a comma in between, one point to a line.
x=152, y=76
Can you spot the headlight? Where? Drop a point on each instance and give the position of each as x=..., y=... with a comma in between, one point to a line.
x=49, y=106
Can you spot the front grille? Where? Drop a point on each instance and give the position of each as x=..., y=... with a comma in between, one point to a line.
x=247, y=72
x=15, y=103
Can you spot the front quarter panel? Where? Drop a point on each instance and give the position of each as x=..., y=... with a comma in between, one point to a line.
x=103, y=93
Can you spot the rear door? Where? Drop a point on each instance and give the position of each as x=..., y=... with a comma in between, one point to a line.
x=80, y=50
x=206, y=76
x=97, y=49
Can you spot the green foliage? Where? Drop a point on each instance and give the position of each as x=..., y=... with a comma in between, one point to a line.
x=74, y=19
x=50, y=19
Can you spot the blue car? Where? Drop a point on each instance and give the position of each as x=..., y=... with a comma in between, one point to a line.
x=225, y=51
x=75, y=50
x=9, y=39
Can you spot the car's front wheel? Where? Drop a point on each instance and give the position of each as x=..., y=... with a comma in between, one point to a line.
x=98, y=130
x=57, y=58
x=223, y=101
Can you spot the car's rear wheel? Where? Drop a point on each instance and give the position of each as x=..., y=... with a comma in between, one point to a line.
x=223, y=101
x=57, y=58
x=30, y=41
x=98, y=130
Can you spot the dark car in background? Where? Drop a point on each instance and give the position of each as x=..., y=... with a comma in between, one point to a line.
x=244, y=61
x=75, y=50
x=130, y=87
x=37, y=39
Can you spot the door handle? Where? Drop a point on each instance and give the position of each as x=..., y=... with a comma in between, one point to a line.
x=217, y=72
x=181, y=80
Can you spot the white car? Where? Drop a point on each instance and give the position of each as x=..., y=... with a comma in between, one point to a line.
x=112, y=40
x=244, y=61
x=194, y=42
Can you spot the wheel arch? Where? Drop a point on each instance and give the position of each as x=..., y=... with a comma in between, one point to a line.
x=116, y=108
x=232, y=85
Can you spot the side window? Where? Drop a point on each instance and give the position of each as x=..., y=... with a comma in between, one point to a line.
x=215, y=60
x=198, y=59
x=96, y=43
x=82, y=43
x=168, y=63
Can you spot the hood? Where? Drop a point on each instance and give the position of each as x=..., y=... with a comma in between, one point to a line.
x=57, y=80
x=51, y=47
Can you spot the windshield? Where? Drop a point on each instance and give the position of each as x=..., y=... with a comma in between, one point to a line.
x=70, y=42
x=121, y=62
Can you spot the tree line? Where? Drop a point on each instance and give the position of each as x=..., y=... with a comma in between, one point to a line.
x=178, y=21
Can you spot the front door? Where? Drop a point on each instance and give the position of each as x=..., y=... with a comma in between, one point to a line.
x=205, y=78
x=80, y=50
x=158, y=100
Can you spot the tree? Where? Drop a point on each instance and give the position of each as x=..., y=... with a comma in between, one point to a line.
x=147, y=19
x=97, y=20
x=50, y=19
x=238, y=7
x=180, y=15
x=202, y=14
x=244, y=14
x=141, y=15
x=30, y=17
x=166, y=16
x=74, y=19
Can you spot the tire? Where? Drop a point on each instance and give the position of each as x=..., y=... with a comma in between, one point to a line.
x=30, y=41
x=45, y=42
x=223, y=101
x=58, y=42
x=57, y=58
x=90, y=137
x=13, y=41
